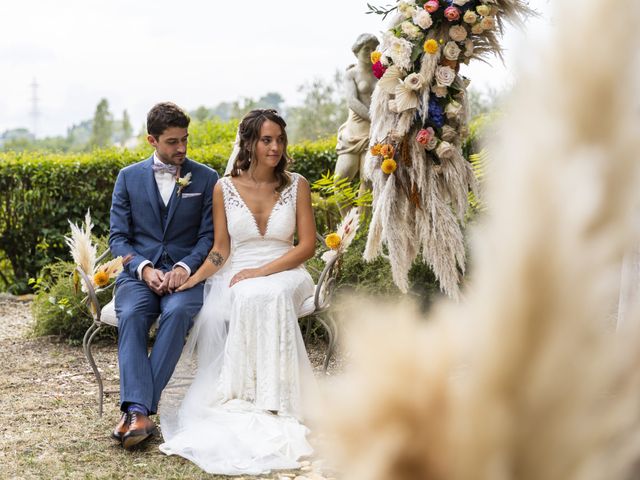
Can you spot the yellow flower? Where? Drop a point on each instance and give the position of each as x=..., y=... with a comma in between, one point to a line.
x=386, y=150
x=388, y=165
x=375, y=150
x=333, y=241
x=431, y=46
x=101, y=279
x=375, y=56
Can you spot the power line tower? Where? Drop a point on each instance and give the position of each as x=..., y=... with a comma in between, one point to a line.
x=35, y=110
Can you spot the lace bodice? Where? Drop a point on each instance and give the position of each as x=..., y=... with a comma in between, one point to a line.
x=250, y=248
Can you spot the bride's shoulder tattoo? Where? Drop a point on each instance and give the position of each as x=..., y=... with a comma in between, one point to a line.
x=215, y=258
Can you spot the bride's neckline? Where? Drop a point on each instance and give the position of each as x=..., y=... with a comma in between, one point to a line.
x=255, y=221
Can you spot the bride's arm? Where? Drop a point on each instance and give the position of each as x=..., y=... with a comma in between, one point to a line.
x=221, y=245
x=303, y=251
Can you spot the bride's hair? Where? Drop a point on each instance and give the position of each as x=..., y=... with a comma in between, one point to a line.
x=249, y=134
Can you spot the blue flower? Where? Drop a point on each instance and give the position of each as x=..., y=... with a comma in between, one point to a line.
x=467, y=6
x=436, y=112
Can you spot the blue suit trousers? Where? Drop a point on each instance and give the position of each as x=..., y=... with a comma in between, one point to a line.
x=144, y=375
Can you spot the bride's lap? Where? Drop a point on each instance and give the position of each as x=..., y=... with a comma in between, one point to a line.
x=295, y=284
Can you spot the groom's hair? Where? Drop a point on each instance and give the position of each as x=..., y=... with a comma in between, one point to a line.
x=165, y=115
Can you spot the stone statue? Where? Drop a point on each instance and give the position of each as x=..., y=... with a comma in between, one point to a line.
x=353, y=135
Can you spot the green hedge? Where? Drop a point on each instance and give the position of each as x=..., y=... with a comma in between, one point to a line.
x=40, y=191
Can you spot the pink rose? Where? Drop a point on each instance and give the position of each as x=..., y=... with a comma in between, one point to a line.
x=452, y=14
x=424, y=136
x=431, y=6
x=378, y=69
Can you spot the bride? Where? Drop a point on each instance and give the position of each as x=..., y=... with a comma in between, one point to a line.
x=242, y=413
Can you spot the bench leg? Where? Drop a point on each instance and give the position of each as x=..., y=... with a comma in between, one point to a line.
x=333, y=339
x=327, y=321
x=86, y=346
x=307, y=330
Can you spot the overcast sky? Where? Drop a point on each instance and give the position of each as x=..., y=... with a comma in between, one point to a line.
x=192, y=52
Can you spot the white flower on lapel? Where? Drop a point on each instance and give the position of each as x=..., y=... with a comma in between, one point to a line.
x=183, y=182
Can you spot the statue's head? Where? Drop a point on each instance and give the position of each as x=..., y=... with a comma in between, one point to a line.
x=365, y=40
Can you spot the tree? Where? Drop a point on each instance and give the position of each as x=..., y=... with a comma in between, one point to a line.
x=200, y=114
x=241, y=107
x=102, y=128
x=271, y=100
x=323, y=109
x=483, y=102
x=127, y=129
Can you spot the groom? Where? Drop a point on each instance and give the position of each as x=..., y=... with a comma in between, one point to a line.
x=161, y=214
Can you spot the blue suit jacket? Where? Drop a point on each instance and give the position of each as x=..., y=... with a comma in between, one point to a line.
x=136, y=223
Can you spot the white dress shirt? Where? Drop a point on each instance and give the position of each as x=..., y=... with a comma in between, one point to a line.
x=166, y=183
x=165, y=180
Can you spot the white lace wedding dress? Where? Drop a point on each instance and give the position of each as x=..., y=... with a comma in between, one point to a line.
x=250, y=356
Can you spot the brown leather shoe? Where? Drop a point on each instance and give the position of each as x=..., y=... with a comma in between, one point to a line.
x=140, y=428
x=121, y=428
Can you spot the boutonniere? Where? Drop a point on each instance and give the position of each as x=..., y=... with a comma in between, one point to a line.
x=183, y=182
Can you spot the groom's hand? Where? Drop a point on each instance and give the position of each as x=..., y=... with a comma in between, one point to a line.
x=154, y=279
x=175, y=278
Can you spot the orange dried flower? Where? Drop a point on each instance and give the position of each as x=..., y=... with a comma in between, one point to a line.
x=101, y=279
x=387, y=150
x=375, y=150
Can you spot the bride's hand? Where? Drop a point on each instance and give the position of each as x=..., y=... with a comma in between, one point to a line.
x=191, y=282
x=244, y=274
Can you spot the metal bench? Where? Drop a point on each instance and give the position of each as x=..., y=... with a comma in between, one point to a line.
x=315, y=307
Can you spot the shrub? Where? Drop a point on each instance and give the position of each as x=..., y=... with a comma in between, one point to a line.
x=374, y=278
x=39, y=191
x=313, y=159
x=58, y=308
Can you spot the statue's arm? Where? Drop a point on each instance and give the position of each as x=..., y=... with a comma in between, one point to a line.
x=353, y=101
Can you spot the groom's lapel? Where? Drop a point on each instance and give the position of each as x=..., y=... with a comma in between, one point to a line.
x=150, y=185
x=175, y=198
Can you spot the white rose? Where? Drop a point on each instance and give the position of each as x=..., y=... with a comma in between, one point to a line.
x=410, y=30
x=445, y=75
x=483, y=10
x=406, y=8
x=453, y=109
x=458, y=33
x=414, y=81
x=449, y=134
x=439, y=91
x=470, y=17
x=487, y=23
x=468, y=47
x=433, y=143
x=460, y=2
x=451, y=51
x=445, y=150
x=423, y=19
x=477, y=29
x=399, y=50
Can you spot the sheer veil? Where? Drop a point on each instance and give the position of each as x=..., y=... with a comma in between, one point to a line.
x=234, y=153
x=204, y=346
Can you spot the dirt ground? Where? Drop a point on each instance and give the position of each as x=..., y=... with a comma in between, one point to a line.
x=49, y=421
